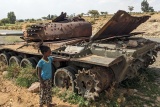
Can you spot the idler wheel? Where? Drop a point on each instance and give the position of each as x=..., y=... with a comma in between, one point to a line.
x=91, y=82
x=27, y=62
x=35, y=59
x=15, y=60
x=64, y=79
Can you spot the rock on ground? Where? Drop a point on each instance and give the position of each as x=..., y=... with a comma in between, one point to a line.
x=34, y=87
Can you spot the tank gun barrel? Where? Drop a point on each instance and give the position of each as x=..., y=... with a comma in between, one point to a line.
x=12, y=34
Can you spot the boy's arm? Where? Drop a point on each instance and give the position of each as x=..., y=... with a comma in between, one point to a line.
x=58, y=59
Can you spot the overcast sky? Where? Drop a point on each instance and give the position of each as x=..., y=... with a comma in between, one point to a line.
x=24, y=9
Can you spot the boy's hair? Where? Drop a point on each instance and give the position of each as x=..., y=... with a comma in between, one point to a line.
x=44, y=48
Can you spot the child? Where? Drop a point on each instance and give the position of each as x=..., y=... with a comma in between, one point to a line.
x=44, y=68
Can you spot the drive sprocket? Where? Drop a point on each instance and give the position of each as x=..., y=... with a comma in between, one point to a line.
x=91, y=82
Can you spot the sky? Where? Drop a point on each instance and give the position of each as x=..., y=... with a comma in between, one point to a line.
x=24, y=9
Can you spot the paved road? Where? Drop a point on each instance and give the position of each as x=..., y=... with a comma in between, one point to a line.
x=2, y=38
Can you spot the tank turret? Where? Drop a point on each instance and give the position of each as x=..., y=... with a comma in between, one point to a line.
x=59, y=29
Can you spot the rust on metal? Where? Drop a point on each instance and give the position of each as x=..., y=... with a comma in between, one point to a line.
x=60, y=28
x=120, y=24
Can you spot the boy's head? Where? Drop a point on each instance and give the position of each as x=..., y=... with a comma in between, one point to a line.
x=45, y=50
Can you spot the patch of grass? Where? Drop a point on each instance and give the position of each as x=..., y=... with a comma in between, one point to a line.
x=23, y=76
x=70, y=97
x=147, y=89
x=11, y=39
x=13, y=71
x=26, y=77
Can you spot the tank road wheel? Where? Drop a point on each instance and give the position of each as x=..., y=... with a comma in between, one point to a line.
x=11, y=53
x=35, y=59
x=27, y=62
x=64, y=78
x=15, y=60
x=4, y=58
x=91, y=82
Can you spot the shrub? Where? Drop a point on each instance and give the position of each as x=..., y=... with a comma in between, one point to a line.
x=70, y=97
x=23, y=76
x=26, y=77
x=13, y=71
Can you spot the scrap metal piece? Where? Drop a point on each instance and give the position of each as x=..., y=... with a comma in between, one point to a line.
x=120, y=24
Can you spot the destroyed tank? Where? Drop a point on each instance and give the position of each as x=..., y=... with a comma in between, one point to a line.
x=90, y=65
x=112, y=55
x=60, y=31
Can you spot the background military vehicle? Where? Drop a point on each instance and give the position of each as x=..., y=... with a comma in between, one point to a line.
x=90, y=66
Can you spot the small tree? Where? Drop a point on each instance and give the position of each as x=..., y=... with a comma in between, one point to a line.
x=4, y=21
x=130, y=8
x=20, y=20
x=11, y=17
x=94, y=13
x=53, y=16
x=81, y=14
x=151, y=9
x=145, y=6
x=104, y=13
x=49, y=17
x=32, y=20
x=44, y=18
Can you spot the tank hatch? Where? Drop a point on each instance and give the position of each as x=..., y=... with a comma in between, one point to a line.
x=120, y=24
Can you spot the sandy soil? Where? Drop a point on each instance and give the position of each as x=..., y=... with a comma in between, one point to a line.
x=15, y=96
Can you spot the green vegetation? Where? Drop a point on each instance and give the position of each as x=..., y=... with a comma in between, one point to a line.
x=147, y=90
x=26, y=77
x=130, y=8
x=94, y=13
x=70, y=97
x=11, y=17
x=145, y=6
x=22, y=76
x=12, y=39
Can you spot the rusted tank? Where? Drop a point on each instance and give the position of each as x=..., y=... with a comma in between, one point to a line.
x=60, y=28
x=112, y=55
x=92, y=64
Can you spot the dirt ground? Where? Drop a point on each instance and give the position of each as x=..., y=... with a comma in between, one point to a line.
x=15, y=96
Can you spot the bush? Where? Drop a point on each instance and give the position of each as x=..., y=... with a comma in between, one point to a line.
x=23, y=76
x=26, y=77
x=13, y=71
x=70, y=97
